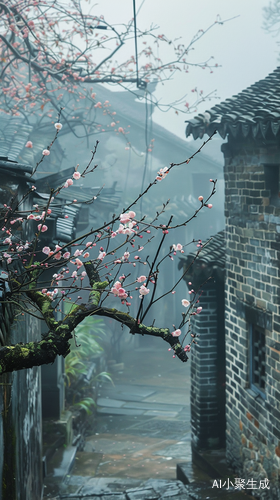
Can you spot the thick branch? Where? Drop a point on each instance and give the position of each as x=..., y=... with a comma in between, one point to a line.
x=20, y=356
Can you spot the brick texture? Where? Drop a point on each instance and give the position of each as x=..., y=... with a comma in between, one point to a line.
x=252, y=290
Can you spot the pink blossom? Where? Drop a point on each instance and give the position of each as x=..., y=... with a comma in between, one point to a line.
x=78, y=253
x=74, y=274
x=113, y=234
x=122, y=293
x=31, y=216
x=199, y=309
x=46, y=250
x=200, y=198
x=88, y=244
x=45, y=152
x=44, y=290
x=76, y=175
x=143, y=290
x=117, y=285
x=121, y=229
x=9, y=260
x=126, y=255
x=119, y=291
x=42, y=228
x=86, y=255
x=177, y=247
x=187, y=348
x=209, y=205
x=101, y=255
x=113, y=124
x=185, y=303
x=84, y=273
x=69, y=182
x=128, y=229
x=29, y=144
x=121, y=130
x=176, y=333
x=131, y=214
x=58, y=126
x=93, y=96
x=124, y=218
x=162, y=173
x=98, y=104
x=58, y=255
x=141, y=279
x=78, y=263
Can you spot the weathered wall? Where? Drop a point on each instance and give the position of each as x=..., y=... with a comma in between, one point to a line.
x=207, y=419
x=20, y=424
x=20, y=392
x=252, y=296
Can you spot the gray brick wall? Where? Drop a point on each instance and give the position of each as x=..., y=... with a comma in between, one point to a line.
x=252, y=290
x=207, y=391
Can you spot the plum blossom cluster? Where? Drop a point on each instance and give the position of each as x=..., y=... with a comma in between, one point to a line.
x=52, y=294
x=162, y=173
x=69, y=182
x=118, y=290
x=126, y=224
x=143, y=290
x=177, y=248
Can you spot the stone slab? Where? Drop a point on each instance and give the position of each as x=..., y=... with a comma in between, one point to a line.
x=120, y=411
x=105, y=485
x=180, y=450
x=111, y=403
x=158, y=413
x=154, y=406
x=138, y=390
x=127, y=396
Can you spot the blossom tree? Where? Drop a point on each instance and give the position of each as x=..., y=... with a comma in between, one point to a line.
x=112, y=257
x=52, y=57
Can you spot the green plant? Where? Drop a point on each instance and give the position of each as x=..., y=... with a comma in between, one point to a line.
x=86, y=404
x=85, y=347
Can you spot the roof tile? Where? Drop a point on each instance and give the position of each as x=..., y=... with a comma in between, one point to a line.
x=257, y=108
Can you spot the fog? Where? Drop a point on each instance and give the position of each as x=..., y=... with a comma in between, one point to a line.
x=244, y=52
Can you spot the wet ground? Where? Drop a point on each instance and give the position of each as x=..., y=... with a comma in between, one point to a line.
x=142, y=431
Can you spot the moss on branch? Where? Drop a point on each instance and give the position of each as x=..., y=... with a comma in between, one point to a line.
x=56, y=343
x=96, y=284
x=20, y=356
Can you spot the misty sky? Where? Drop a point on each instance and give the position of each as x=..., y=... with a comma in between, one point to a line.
x=244, y=50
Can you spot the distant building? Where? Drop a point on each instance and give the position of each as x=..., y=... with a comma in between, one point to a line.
x=121, y=171
x=251, y=123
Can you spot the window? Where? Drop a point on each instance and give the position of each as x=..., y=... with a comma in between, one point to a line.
x=272, y=183
x=257, y=360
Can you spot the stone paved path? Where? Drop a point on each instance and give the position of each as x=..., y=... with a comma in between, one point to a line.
x=142, y=431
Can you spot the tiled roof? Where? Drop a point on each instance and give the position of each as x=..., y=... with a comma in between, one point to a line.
x=14, y=168
x=210, y=261
x=254, y=112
